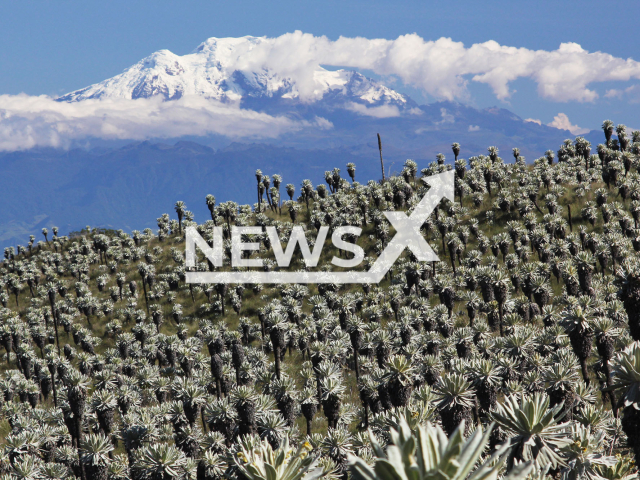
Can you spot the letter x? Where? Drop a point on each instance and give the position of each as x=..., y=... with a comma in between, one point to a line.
x=408, y=227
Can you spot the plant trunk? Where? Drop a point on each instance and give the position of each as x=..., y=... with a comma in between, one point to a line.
x=276, y=354
x=55, y=392
x=55, y=324
x=356, y=363
x=612, y=396
x=381, y=161
x=146, y=298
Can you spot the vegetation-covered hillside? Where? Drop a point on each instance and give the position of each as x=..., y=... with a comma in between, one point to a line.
x=516, y=356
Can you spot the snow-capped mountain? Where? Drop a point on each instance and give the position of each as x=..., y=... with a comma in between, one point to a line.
x=319, y=107
x=217, y=69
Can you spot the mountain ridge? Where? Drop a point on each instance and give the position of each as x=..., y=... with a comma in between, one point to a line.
x=212, y=71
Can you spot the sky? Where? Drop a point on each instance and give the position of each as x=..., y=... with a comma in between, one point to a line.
x=53, y=47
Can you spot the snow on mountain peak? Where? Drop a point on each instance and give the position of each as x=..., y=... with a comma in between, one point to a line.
x=230, y=70
x=229, y=48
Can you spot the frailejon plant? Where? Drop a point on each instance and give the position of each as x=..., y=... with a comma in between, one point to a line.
x=114, y=364
x=262, y=462
x=429, y=454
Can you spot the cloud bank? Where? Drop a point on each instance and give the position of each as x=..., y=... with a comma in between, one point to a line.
x=382, y=111
x=30, y=121
x=561, y=122
x=443, y=68
x=631, y=94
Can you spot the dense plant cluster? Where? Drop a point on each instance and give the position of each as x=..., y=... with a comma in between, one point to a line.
x=516, y=355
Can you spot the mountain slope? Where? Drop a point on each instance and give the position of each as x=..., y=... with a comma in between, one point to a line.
x=131, y=186
x=351, y=106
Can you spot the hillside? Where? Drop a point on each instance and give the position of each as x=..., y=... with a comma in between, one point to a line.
x=530, y=320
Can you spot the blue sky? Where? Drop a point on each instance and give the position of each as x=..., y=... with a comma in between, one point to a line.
x=52, y=47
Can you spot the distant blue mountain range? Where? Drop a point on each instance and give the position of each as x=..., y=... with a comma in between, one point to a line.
x=130, y=186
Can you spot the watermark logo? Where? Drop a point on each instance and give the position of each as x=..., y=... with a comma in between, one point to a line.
x=407, y=235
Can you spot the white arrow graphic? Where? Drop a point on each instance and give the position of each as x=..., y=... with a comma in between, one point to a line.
x=407, y=235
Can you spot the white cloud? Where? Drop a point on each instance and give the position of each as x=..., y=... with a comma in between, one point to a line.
x=561, y=121
x=445, y=117
x=614, y=93
x=632, y=93
x=442, y=68
x=473, y=128
x=533, y=120
x=382, y=111
x=30, y=121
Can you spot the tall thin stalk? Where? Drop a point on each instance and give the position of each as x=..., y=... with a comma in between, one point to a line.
x=381, y=161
